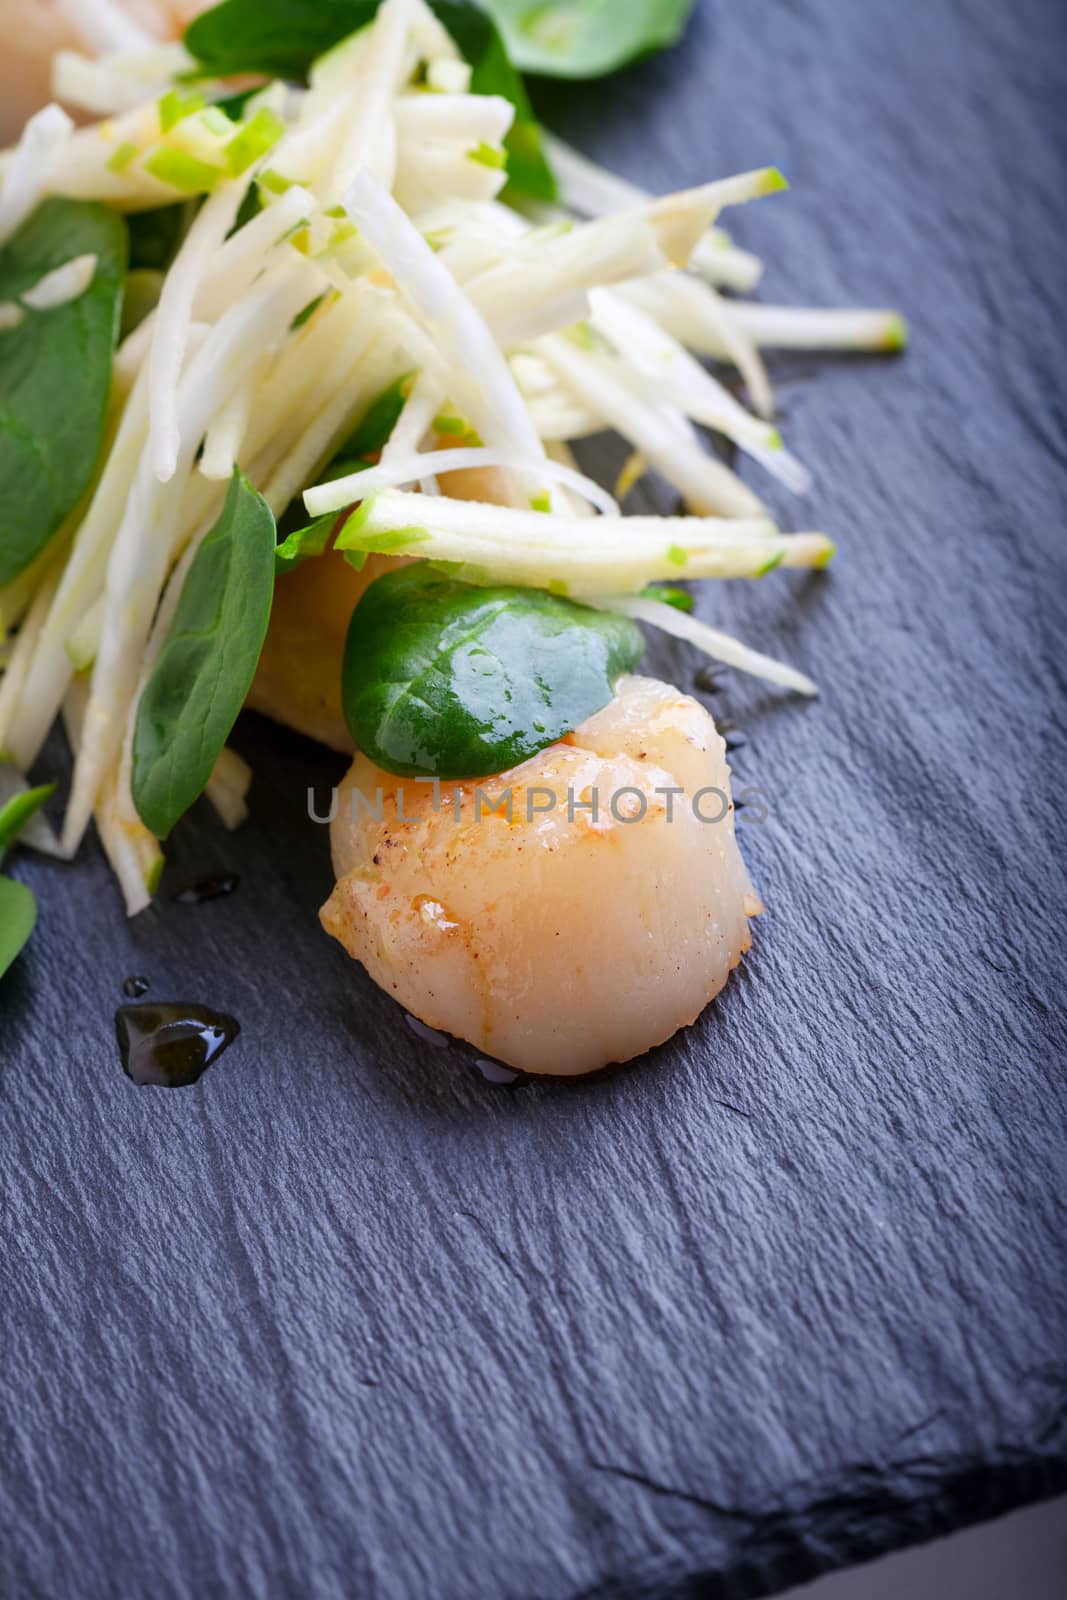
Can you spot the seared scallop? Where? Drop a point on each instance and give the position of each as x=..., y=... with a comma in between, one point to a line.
x=567, y=914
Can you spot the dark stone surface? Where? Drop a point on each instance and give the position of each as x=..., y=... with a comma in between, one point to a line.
x=344, y=1319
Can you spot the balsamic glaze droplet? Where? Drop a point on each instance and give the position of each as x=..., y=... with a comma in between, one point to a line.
x=170, y=1045
x=135, y=987
x=732, y=734
x=709, y=680
x=212, y=888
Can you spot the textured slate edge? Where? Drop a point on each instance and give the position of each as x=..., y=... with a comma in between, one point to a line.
x=869, y=1512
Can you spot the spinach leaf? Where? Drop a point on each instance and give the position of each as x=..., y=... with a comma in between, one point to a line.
x=156, y=235
x=587, y=38
x=445, y=680
x=207, y=664
x=283, y=37
x=55, y=373
x=303, y=543
x=19, y=810
x=18, y=913
x=300, y=539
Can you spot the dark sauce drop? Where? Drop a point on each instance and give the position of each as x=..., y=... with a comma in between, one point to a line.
x=732, y=734
x=135, y=987
x=709, y=680
x=170, y=1045
x=213, y=888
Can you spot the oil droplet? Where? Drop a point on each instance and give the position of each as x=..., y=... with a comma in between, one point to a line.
x=212, y=888
x=170, y=1045
x=135, y=987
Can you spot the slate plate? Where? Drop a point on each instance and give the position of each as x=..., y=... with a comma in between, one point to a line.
x=343, y=1319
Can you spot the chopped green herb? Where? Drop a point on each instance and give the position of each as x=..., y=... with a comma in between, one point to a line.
x=176, y=105
x=489, y=155
x=668, y=594
x=183, y=171
x=253, y=141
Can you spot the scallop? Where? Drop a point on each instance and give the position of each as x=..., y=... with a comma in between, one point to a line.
x=568, y=914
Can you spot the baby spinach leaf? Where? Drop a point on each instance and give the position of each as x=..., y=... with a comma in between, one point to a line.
x=206, y=666
x=20, y=810
x=156, y=235
x=587, y=38
x=303, y=543
x=55, y=373
x=283, y=37
x=300, y=539
x=445, y=680
x=18, y=913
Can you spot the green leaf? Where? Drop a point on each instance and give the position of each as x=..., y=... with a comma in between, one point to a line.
x=18, y=812
x=283, y=37
x=156, y=235
x=587, y=38
x=207, y=664
x=445, y=680
x=373, y=432
x=299, y=539
x=55, y=374
x=18, y=913
x=669, y=594
x=302, y=543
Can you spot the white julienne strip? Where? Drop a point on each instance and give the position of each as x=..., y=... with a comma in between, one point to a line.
x=469, y=118
x=228, y=787
x=668, y=445
x=62, y=285
x=596, y=192
x=382, y=69
x=721, y=646
x=678, y=379
x=427, y=171
x=30, y=167
x=119, y=82
x=480, y=379
x=242, y=257
x=104, y=26
x=573, y=554
x=804, y=328
x=142, y=547
x=414, y=422
x=11, y=314
x=600, y=253
x=173, y=317
x=13, y=682
x=432, y=37
x=342, y=403
x=700, y=319
x=134, y=854
x=396, y=474
x=224, y=437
